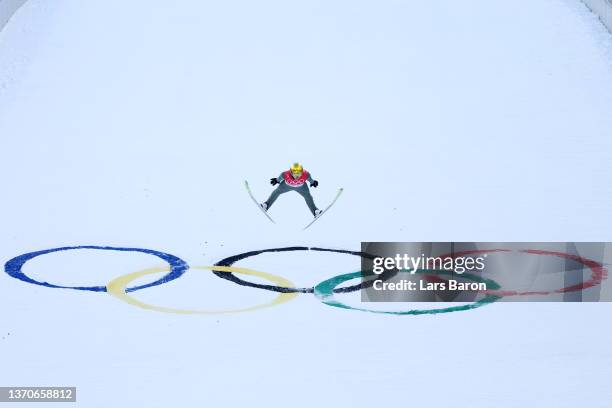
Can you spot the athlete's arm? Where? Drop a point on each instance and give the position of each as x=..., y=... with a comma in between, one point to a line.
x=313, y=182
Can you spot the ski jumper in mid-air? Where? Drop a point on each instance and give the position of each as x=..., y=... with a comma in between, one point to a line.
x=294, y=179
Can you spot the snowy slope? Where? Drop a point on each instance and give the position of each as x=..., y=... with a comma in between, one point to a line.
x=135, y=123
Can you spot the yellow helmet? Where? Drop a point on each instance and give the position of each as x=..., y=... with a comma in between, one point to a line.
x=296, y=168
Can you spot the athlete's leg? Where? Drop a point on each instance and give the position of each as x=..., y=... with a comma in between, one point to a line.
x=305, y=192
x=282, y=188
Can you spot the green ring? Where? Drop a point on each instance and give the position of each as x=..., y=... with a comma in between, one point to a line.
x=324, y=292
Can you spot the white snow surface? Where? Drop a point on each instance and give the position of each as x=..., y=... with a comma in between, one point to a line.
x=135, y=123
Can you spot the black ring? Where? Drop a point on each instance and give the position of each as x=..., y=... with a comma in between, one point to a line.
x=229, y=261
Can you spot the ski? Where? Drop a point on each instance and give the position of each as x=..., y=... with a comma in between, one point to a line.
x=246, y=184
x=340, y=190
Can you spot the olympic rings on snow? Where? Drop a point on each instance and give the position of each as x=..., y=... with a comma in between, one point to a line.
x=117, y=288
x=229, y=261
x=286, y=290
x=325, y=292
x=177, y=267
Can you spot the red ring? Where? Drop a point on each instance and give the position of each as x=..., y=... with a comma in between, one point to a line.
x=598, y=272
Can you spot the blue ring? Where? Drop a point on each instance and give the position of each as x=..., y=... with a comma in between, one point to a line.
x=177, y=267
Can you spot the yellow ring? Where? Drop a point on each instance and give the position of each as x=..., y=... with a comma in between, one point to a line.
x=117, y=286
